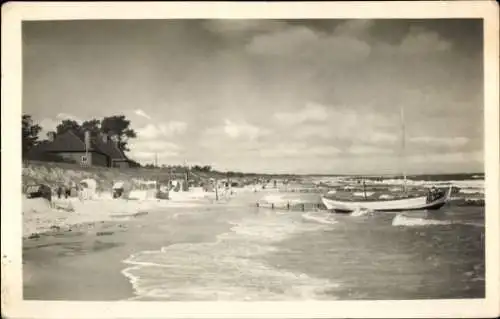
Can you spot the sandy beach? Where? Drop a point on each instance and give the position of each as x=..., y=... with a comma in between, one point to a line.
x=73, y=236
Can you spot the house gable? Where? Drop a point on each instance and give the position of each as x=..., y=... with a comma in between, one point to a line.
x=65, y=142
x=73, y=142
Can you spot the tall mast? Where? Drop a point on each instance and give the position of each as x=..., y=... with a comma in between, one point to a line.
x=403, y=145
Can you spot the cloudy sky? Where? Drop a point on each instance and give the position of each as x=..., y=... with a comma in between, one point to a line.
x=303, y=96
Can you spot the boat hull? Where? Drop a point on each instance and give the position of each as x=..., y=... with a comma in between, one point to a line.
x=397, y=205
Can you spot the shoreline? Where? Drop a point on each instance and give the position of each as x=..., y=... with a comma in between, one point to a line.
x=88, y=244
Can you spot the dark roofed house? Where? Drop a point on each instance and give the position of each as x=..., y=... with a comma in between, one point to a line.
x=70, y=145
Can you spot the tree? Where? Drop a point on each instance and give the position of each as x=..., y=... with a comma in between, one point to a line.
x=30, y=133
x=94, y=126
x=67, y=125
x=206, y=168
x=119, y=126
x=134, y=164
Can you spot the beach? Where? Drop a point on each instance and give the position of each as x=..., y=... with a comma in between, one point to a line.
x=201, y=250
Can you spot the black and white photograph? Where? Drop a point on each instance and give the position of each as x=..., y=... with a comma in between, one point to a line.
x=286, y=159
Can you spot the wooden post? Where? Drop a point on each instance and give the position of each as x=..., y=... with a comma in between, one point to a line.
x=216, y=189
x=168, y=182
x=186, y=177
x=364, y=188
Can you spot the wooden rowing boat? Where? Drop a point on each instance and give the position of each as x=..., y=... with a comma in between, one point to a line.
x=388, y=205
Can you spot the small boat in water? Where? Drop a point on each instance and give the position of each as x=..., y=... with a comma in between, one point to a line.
x=431, y=201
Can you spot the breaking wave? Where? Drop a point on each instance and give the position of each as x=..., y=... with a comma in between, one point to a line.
x=361, y=212
x=227, y=269
x=319, y=217
x=402, y=220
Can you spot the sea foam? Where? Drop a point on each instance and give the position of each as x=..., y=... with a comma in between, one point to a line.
x=319, y=217
x=402, y=220
x=231, y=268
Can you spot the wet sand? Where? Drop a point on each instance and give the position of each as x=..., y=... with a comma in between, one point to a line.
x=87, y=259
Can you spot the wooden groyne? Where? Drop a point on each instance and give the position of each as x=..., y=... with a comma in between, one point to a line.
x=291, y=206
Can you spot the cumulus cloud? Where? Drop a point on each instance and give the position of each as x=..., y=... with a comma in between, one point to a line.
x=417, y=42
x=155, y=146
x=447, y=157
x=66, y=116
x=235, y=27
x=322, y=151
x=147, y=150
x=440, y=141
x=420, y=41
x=141, y=113
x=297, y=149
x=339, y=123
x=282, y=150
x=47, y=125
x=173, y=127
x=312, y=131
x=156, y=140
x=382, y=137
x=233, y=138
x=242, y=130
x=148, y=157
x=354, y=27
x=365, y=150
x=310, y=113
x=162, y=130
x=303, y=43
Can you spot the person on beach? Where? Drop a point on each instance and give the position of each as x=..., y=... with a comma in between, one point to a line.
x=67, y=191
x=433, y=194
x=59, y=191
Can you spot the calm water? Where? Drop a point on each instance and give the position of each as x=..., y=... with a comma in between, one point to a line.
x=236, y=251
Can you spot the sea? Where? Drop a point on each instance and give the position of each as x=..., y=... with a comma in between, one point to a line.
x=232, y=250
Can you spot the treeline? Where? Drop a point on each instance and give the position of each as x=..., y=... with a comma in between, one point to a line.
x=207, y=170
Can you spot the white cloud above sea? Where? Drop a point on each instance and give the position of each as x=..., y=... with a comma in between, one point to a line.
x=294, y=149
x=366, y=150
x=456, y=141
x=447, y=157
